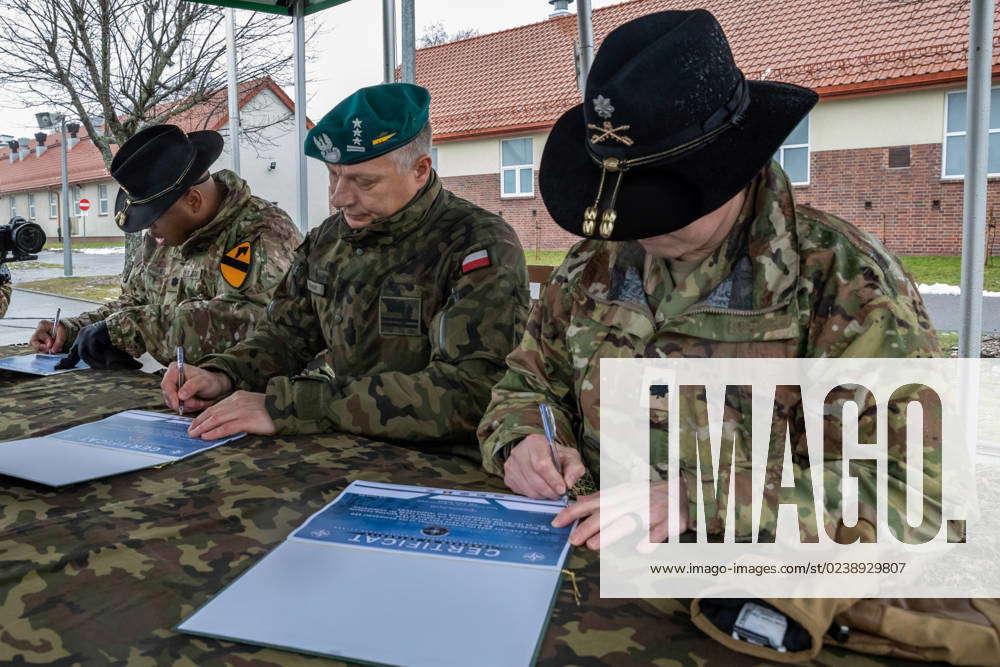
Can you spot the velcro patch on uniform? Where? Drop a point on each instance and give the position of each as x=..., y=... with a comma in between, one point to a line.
x=235, y=264
x=399, y=315
x=476, y=260
x=319, y=289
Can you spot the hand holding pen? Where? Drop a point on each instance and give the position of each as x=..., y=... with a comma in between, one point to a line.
x=180, y=377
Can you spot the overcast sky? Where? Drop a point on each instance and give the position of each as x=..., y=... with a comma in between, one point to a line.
x=349, y=55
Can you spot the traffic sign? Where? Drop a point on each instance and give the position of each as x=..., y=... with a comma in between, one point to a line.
x=84, y=204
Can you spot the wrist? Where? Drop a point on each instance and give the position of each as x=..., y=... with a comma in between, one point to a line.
x=224, y=382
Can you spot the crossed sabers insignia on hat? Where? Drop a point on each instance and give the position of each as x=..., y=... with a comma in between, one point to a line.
x=608, y=131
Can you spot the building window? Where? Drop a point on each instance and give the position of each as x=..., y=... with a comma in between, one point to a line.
x=517, y=167
x=793, y=156
x=53, y=206
x=953, y=158
x=434, y=158
x=13, y=205
x=102, y=199
x=31, y=206
x=78, y=190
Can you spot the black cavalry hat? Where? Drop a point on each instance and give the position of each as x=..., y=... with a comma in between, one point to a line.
x=155, y=168
x=669, y=130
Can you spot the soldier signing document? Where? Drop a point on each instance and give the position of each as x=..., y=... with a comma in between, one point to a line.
x=416, y=295
x=211, y=257
x=694, y=246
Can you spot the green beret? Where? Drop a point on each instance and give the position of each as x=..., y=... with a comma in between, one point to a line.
x=371, y=122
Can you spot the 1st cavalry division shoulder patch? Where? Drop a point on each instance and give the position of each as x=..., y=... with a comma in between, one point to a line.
x=235, y=264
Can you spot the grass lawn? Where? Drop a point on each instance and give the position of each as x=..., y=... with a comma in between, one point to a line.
x=948, y=340
x=35, y=265
x=56, y=245
x=93, y=288
x=544, y=257
x=927, y=270
x=948, y=270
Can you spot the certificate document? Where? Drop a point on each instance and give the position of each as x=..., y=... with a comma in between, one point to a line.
x=403, y=575
x=38, y=364
x=123, y=442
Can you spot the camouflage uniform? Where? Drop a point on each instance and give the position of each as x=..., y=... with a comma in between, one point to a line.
x=789, y=281
x=178, y=295
x=5, y=290
x=414, y=343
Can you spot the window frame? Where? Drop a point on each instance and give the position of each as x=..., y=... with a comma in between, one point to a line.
x=53, y=205
x=807, y=146
x=78, y=192
x=964, y=133
x=12, y=202
x=102, y=199
x=517, y=171
x=31, y=206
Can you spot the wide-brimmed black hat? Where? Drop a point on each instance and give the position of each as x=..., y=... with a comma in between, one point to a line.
x=155, y=168
x=669, y=130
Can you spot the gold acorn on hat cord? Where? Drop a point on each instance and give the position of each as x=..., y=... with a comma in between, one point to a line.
x=589, y=220
x=608, y=222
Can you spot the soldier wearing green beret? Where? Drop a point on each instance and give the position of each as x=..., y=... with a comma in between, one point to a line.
x=416, y=295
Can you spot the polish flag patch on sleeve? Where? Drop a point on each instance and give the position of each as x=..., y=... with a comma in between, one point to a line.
x=475, y=260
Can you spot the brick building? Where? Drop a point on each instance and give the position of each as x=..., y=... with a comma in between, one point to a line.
x=884, y=148
x=30, y=178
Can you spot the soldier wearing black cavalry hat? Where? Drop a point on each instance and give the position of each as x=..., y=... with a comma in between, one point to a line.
x=211, y=257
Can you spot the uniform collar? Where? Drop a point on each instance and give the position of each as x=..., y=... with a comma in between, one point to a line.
x=389, y=230
x=235, y=195
x=764, y=234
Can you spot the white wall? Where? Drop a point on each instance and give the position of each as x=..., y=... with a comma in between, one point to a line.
x=481, y=156
x=276, y=142
x=892, y=119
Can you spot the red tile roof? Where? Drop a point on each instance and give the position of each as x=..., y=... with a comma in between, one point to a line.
x=523, y=78
x=84, y=161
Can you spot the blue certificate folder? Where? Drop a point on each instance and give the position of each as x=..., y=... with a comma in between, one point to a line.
x=403, y=575
x=123, y=442
x=38, y=364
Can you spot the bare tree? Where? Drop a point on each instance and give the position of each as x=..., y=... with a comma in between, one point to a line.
x=435, y=34
x=132, y=63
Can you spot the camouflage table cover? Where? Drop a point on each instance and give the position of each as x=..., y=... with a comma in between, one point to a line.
x=99, y=573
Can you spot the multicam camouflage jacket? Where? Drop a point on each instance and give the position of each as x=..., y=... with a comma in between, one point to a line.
x=417, y=312
x=788, y=281
x=208, y=293
x=5, y=290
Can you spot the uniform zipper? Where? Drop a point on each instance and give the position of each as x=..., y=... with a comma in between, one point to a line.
x=444, y=313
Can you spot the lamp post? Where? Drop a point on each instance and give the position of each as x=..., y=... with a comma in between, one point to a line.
x=46, y=121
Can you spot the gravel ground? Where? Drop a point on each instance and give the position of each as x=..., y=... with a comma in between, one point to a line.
x=990, y=347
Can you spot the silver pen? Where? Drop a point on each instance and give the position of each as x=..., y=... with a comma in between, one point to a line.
x=55, y=329
x=180, y=378
x=549, y=424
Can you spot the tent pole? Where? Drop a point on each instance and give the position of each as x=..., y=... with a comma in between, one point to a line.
x=388, y=41
x=234, y=108
x=301, y=176
x=974, y=203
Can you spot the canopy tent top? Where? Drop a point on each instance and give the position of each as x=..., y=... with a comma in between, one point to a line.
x=284, y=7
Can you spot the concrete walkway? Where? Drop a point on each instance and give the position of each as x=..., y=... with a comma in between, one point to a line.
x=84, y=264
